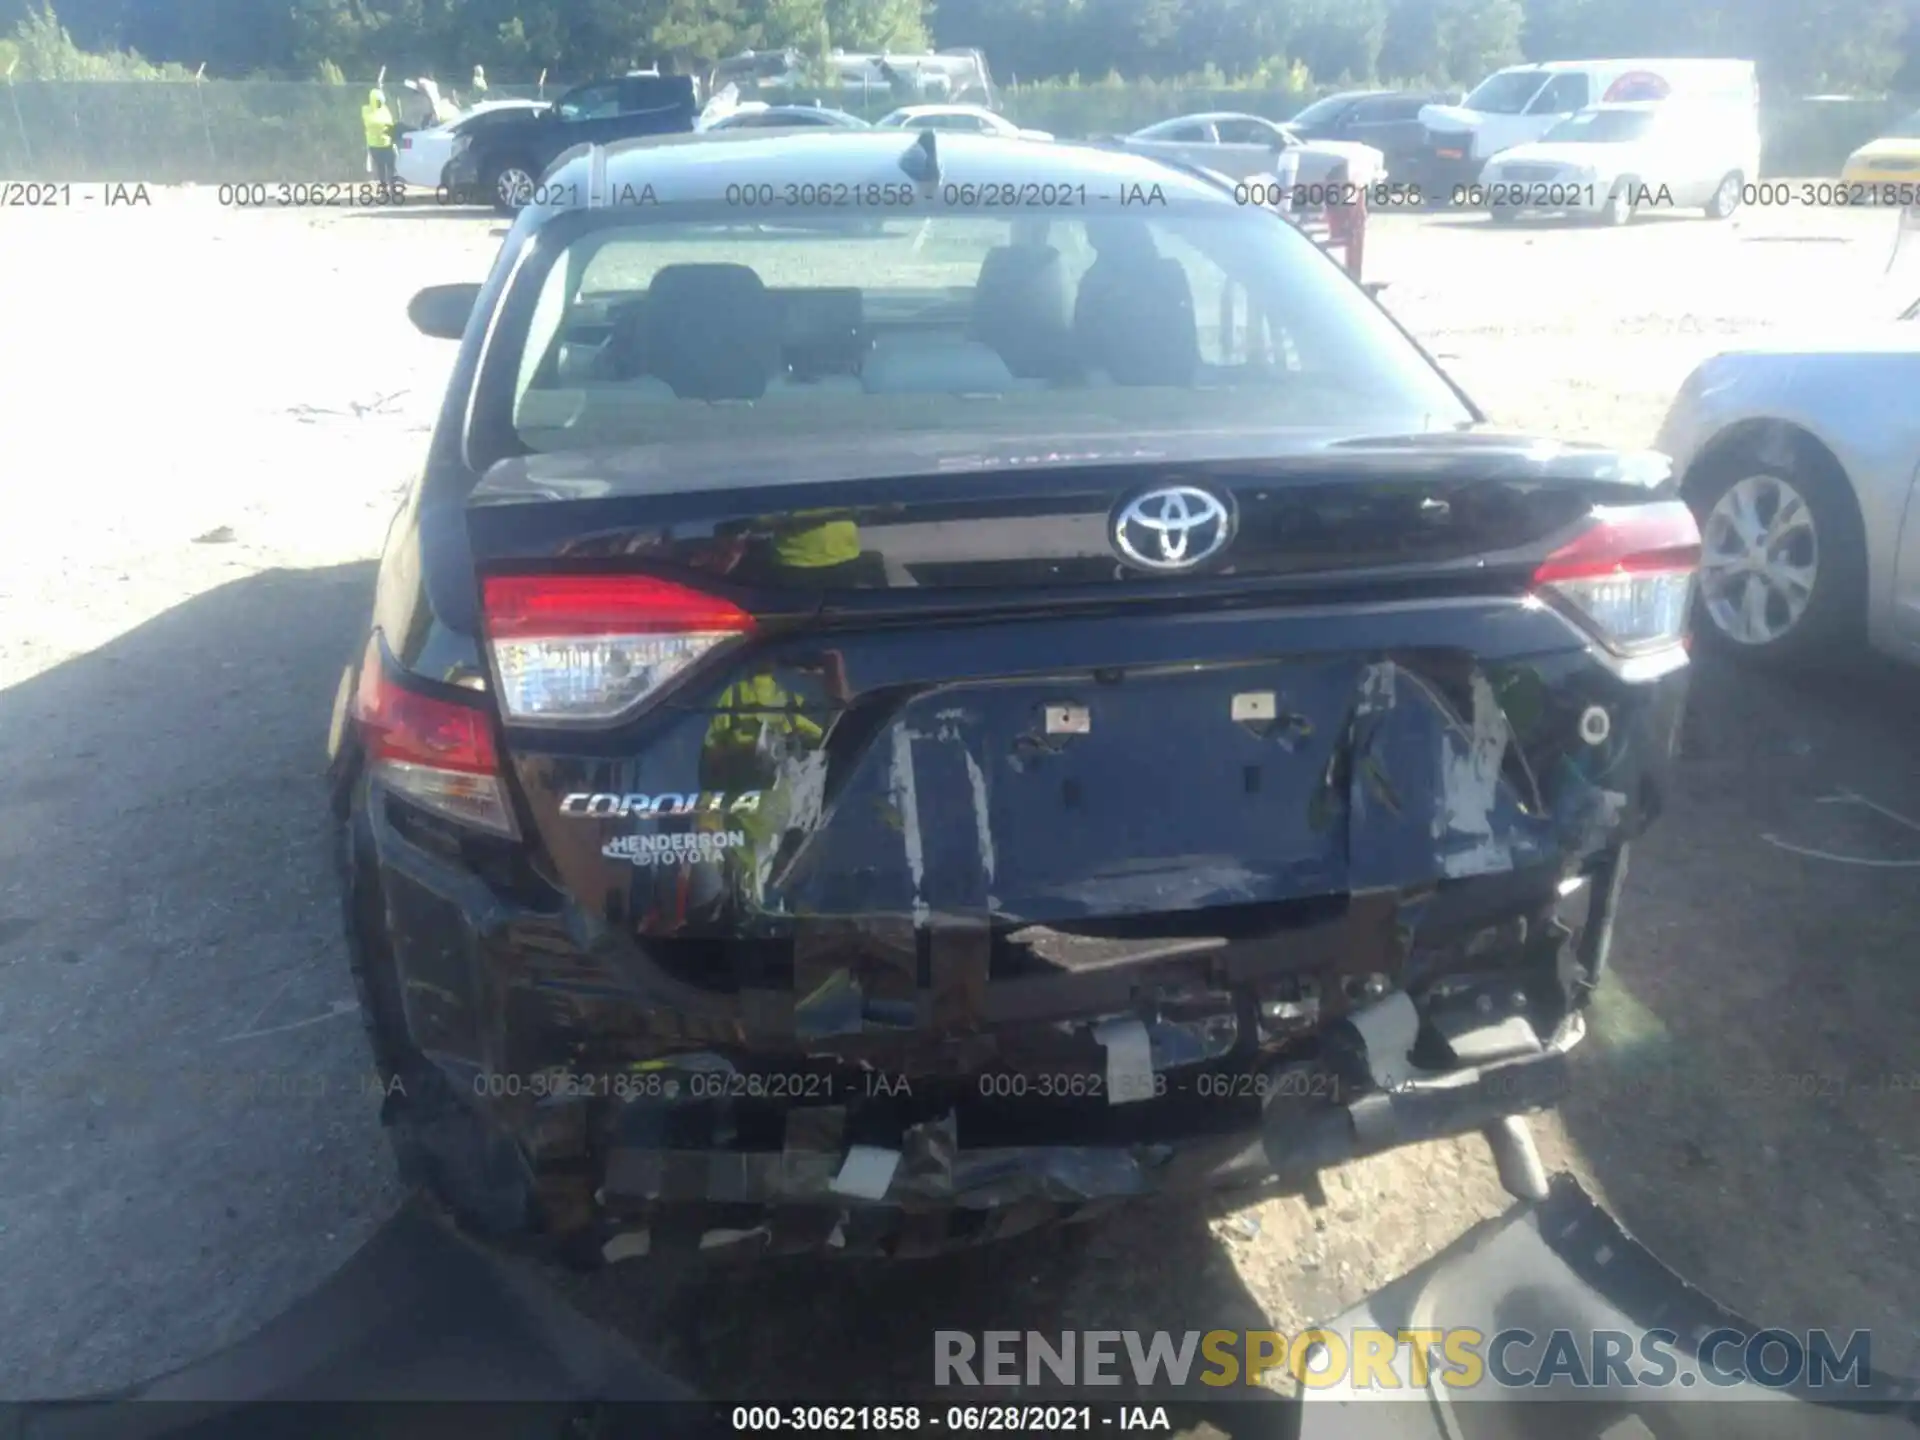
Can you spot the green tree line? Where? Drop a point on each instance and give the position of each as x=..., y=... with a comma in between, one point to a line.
x=1802, y=46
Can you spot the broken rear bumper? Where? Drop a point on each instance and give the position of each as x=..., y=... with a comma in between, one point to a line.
x=612, y=1121
x=927, y=1195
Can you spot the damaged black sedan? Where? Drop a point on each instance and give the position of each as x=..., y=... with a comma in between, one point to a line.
x=932, y=685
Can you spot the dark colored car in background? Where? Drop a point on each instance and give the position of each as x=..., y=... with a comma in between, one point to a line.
x=502, y=162
x=877, y=742
x=1388, y=120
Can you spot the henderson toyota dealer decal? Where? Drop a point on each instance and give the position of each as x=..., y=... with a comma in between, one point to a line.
x=686, y=847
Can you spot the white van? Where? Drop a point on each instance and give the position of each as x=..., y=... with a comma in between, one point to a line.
x=1522, y=102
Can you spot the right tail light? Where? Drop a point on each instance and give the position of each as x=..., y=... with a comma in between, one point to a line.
x=1629, y=576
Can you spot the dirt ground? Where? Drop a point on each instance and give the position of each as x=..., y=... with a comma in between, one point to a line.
x=205, y=419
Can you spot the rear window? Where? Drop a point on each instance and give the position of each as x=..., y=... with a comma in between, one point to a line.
x=655, y=331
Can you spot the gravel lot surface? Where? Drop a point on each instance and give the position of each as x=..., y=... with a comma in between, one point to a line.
x=207, y=417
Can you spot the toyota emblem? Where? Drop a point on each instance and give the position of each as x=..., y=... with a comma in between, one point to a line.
x=1173, y=528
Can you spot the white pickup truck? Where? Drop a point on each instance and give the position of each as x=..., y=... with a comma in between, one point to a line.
x=1243, y=147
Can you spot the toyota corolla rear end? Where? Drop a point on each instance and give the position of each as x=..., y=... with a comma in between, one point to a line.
x=953, y=797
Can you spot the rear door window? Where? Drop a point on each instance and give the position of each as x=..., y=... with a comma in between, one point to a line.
x=1247, y=132
x=592, y=102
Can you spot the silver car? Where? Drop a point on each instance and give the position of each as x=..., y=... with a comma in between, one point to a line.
x=1800, y=460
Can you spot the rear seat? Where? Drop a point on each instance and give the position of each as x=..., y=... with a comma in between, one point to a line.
x=1134, y=323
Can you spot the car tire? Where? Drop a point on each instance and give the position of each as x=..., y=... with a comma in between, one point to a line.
x=1783, y=554
x=1619, y=208
x=1503, y=215
x=1726, y=196
x=505, y=178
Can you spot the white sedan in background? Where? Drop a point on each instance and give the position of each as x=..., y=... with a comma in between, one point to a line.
x=421, y=156
x=964, y=119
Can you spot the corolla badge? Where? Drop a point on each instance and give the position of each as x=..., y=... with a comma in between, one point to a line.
x=1173, y=528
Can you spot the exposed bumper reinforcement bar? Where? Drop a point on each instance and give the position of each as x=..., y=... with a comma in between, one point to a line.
x=1429, y=1107
x=934, y=1177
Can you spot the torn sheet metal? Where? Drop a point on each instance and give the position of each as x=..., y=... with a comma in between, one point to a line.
x=851, y=977
x=975, y=1179
x=810, y=1158
x=720, y=1239
x=906, y=807
x=959, y=960
x=867, y=1173
x=1430, y=783
x=1397, y=772
x=1129, y=1060
x=1471, y=766
x=628, y=1245
x=928, y=1154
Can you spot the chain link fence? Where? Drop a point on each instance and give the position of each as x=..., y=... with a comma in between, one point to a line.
x=211, y=132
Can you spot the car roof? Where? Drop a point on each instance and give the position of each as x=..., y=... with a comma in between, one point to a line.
x=1682, y=62
x=946, y=110
x=1373, y=95
x=700, y=167
x=1216, y=116
x=761, y=108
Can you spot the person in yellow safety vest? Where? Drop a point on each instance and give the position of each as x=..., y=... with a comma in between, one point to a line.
x=377, y=120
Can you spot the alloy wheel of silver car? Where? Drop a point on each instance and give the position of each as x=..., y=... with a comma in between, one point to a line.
x=1760, y=558
x=514, y=187
x=1726, y=199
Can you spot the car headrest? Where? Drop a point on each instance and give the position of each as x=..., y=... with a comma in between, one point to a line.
x=1139, y=327
x=1023, y=309
x=625, y=356
x=712, y=332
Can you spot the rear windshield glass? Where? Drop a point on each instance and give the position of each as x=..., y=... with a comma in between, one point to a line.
x=1324, y=109
x=654, y=332
x=1602, y=126
x=1506, y=93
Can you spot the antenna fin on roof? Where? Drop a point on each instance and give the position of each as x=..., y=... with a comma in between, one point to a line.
x=922, y=162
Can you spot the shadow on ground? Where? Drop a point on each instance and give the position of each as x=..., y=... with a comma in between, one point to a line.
x=189, y=1143
x=870, y=1326
x=1750, y=1106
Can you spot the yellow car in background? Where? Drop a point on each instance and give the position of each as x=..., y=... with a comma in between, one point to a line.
x=1892, y=159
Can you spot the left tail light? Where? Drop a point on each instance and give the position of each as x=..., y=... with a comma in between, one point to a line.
x=437, y=753
x=1629, y=575
x=586, y=648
